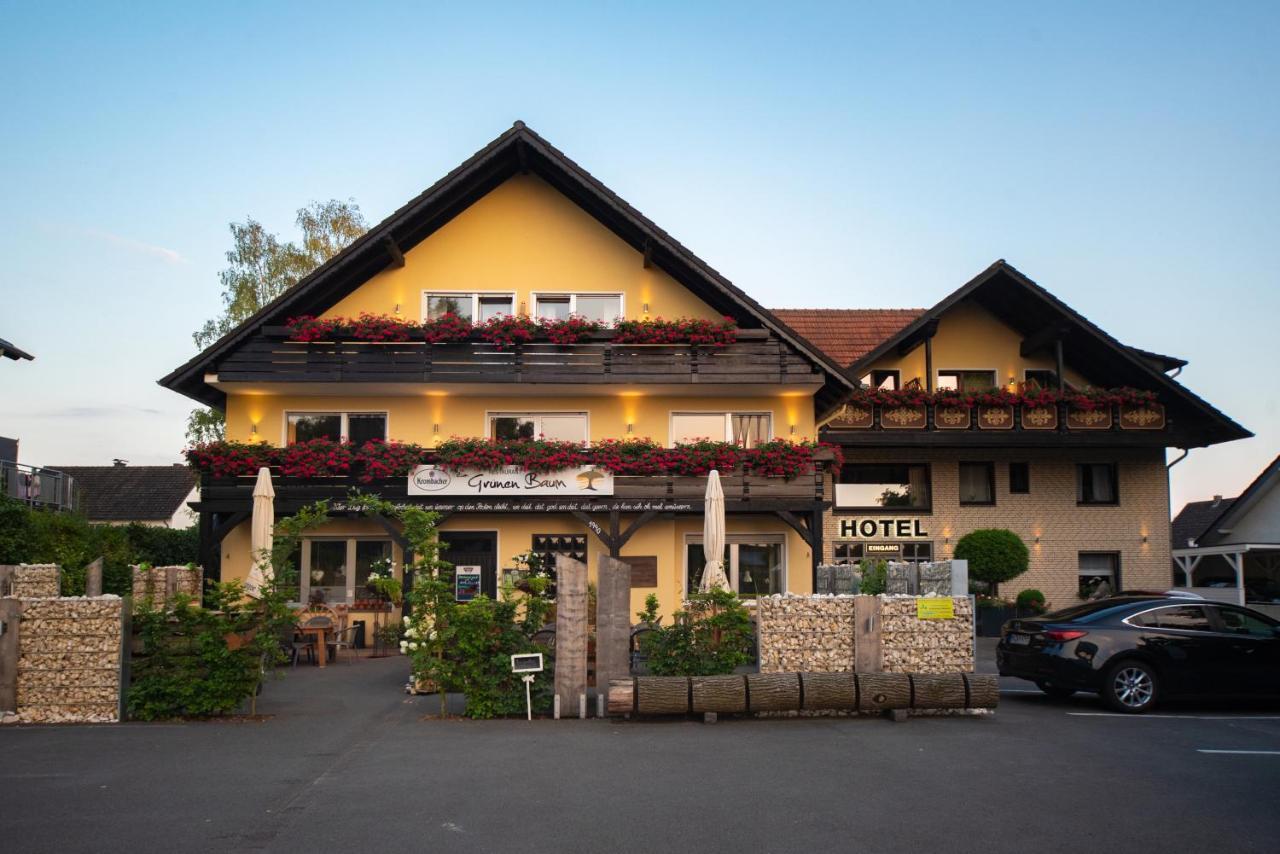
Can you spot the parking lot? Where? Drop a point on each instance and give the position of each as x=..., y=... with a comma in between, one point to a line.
x=347, y=761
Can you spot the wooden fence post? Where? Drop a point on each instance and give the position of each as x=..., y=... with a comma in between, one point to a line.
x=867, y=647
x=10, y=619
x=613, y=621
x=126, y=651
x=571, y=631
x=93, y=578
x=6, y=579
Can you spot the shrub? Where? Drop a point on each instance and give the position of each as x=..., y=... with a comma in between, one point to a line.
x=994, y=555
x=875, y=577
x=711, y=637
x=1032, y=600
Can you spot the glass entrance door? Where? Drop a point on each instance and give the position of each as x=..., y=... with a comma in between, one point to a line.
x=756, y=565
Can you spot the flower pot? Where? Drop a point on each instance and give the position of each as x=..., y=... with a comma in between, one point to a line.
x=1089, y=419
x=952, y=417
x=995, y=417
x=1142, y=416
x=857, y=416
x=903, y=416
x=1040, y=417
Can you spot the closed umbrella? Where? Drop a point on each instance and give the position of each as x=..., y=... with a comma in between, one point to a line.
x=713, y=577
x=260, y=532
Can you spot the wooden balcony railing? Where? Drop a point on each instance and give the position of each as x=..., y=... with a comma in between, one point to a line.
x=1045, y=419
x=755, y=358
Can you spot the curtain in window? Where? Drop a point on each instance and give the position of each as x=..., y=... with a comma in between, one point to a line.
x=750, y=430
x=975, y=484
x=1102, y=489
x=918, y=485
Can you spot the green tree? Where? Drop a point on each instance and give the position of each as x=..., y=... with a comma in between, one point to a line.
x=261, y=267
x=994, y=555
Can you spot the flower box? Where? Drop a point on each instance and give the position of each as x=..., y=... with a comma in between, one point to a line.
x=1098, y=418
x=1040, y=417
x=952, y=417
x=1142, y=416
x=903, y=416
x=857, y=416
x=995, y=417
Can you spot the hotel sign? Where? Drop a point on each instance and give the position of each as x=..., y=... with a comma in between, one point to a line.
x=883, y=527
x=585, y=481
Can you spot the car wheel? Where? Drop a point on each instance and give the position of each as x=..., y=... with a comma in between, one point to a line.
x=1131, y=687
x=1057, y=692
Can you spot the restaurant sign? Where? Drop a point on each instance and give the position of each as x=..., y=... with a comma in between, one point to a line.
x=581, y=481
x=935, y=608
x=883, y=527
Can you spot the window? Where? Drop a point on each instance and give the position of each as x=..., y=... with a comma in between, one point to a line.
x=1192, y=618
x=755, y=565
x=358, y=427
x=966, y=380
x=888, y=380
x=605, y=308
x=747, y=429
x=1041, y=378
x=560, y=426
x=1244, y=623
x=547, y=546
x=1019, y=478
x=912, y=552
x=475, y=306
x=883, y=485
x=1097, y=569
x=326, y=567
x=977, y=483
x=1096, y=483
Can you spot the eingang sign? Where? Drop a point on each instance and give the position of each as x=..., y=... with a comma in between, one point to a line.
x=582, y=481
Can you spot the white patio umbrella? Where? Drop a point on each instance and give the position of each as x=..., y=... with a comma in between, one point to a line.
x=260, y=532
x=713, y=577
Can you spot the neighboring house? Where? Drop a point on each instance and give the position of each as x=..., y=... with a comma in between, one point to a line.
x=1229, y=548
x=9, y=351
x=119, y=494
x=520, y=229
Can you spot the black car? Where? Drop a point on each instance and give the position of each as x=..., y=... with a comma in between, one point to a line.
x=1137, y=650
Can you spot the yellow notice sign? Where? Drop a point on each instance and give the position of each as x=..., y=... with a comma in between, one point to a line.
x=936, y=608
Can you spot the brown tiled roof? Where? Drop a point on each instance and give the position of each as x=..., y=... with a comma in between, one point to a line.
x=847, y=334
x=1195, y=518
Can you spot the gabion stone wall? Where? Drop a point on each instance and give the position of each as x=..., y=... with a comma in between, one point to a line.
x=36, y=580
x=912, y=645
x=69, y=660
x=150, y=582
x=805, y=634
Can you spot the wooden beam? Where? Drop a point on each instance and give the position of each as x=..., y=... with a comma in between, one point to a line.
x=523, y=157
x=393, y=250
x=920, y=336
x=928, y=364
x=1053, y=333
x=797, y=524
x=594, y=527
x=648, y=253
x=221, y=529
x=639, y=522
x=389, y=526
x=1059, y=366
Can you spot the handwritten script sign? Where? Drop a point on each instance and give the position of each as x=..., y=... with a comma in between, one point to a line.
x=582, y=481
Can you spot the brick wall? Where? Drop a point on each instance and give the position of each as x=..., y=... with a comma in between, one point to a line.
x=1049, y=512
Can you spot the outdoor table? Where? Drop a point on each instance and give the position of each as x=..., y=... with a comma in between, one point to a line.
x=318, y=627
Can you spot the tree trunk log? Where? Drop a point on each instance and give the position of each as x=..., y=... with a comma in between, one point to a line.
x=622, y=696
x=984, y=690
x=880, y=691
x=726, y=694
x=938, y=691
x=829, y=691
x=662, y=695
x=773, y=692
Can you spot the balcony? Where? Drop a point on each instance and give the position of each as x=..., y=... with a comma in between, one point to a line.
x=37, y=487
x=755, y=358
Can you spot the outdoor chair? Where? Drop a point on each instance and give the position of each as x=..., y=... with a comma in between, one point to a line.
x=638, y=656
x=343, y=638
x=293, y=646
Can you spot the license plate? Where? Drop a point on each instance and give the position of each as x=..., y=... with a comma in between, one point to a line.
x=1019, y=640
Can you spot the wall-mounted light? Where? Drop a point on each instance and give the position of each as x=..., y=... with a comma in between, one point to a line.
x=524, y=308
x=435, y=428
x=631, y=428
x=645, y=308
x=1037, y=539
x=253, y=429
x=793, y=429
x=1144, y=538
x=397, y=309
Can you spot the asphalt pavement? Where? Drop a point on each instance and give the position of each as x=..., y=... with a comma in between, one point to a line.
x=348, y=762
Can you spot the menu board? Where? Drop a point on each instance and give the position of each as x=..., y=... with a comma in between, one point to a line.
x=466, y=580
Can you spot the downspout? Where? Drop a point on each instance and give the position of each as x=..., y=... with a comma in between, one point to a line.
x=1185, y=451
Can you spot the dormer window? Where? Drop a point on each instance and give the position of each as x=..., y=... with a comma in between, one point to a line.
x=605, y=308
x=966, y=381
x=476, y=306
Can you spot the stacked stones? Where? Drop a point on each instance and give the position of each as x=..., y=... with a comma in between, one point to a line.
x=149, y=582
x=912, y=645
x=808, y=634
x=69, y=660
x=34, y=580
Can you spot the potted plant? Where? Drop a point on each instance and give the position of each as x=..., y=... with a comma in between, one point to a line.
x=1031, y=603
x=995, y=409
x=994, y=555
x=1039, y=409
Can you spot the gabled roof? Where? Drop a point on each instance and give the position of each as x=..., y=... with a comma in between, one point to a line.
x=1025, y=306
x=128, y=493
x=1227, y=517
x=847, y=334
x=9, y=351
x=1163, y=362
x=1194, y=519
x=517, y=150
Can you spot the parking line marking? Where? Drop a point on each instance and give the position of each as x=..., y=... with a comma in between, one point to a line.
x=1244, y=752
x=1176, y=717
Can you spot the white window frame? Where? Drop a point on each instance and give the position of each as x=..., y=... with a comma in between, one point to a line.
x=304, y=571
x=897, y=378
x=728, y=422
x=475, y=300
x=995, y=372
x=573, y=300
x=490, y=415
x=345, y=415
x=732, y=541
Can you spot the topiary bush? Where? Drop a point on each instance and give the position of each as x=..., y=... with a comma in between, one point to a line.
x=1031, y=601
x=995, y=555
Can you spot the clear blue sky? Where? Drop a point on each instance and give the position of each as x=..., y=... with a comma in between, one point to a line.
x=819, y=155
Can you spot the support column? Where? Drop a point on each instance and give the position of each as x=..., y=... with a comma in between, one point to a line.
x=571, y=631
x=1236, y=559
x=613, y=621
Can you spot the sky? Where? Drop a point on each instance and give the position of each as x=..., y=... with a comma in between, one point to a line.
x=1125, y=156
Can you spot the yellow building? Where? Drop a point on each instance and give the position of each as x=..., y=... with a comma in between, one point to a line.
x=520, y=231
